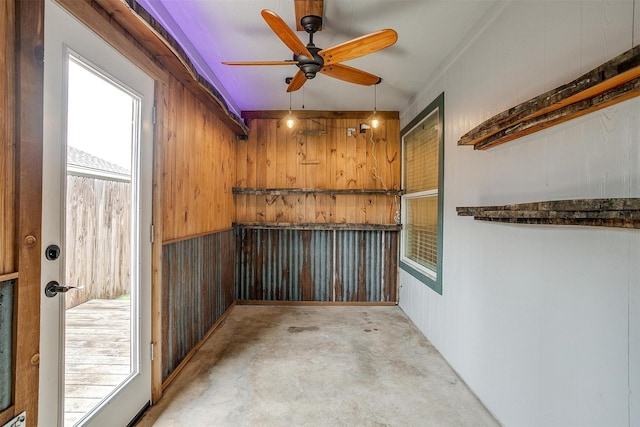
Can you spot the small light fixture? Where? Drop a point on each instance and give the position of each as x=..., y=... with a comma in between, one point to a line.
x=374, y=120
x=290, y=120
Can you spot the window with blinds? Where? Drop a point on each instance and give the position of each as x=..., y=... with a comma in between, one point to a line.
x=422, y=147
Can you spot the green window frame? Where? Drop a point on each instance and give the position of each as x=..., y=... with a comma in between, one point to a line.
x=422, y=201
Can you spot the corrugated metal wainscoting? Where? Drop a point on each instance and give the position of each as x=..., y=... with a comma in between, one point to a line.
x=6, y=343
x=197, y=277
x=316, y=265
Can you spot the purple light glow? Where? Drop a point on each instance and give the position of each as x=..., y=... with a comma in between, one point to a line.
x=183, y=22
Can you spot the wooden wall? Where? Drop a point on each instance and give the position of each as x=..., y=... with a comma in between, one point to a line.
x=313, y=219
x=7, y=138
x=318, y=154
x=198, y=172
x=199, y=169
x=7, y=205
x=21, y=91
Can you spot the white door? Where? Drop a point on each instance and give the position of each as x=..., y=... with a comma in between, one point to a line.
x=95, y=356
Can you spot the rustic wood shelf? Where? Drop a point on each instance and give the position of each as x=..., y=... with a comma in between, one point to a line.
x=614, y=81
x=288, y=191
x=619, y=213
x=317, y=226
x=9, y=276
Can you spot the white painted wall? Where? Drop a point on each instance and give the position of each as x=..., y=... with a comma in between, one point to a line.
x=542, y=322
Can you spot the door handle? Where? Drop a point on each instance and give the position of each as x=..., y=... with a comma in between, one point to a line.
x=53, y=288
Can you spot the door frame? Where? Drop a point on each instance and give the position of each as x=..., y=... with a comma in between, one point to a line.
x=23, y=26
x=66, y=29
x=97, y=20
x=103, y=25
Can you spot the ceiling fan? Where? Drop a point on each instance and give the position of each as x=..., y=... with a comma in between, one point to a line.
x=312, y=60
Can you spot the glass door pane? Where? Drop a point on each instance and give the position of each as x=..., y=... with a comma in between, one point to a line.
x=100, y=245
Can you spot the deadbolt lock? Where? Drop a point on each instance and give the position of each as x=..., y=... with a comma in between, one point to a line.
x=52, y=252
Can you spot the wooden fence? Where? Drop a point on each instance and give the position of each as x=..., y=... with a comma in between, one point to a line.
x=98, y=242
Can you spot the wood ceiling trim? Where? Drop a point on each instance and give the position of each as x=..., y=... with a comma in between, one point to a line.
x=166, y=50
x=306, y=8
x=310, y=114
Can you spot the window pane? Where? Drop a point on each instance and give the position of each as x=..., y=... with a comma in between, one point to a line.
x=421, y=237
x=421, y=156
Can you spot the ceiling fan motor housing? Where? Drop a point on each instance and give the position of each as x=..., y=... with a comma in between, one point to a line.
x=310, y=66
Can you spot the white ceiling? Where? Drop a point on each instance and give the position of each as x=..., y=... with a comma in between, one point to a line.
x=233, y=30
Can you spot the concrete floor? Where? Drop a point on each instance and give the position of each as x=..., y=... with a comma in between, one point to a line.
x=317, y=366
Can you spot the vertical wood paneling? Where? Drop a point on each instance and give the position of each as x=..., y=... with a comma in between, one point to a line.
x=199, y=167
x=198, y=278
x=318, y=154
x=28, y=131
x=7, y=137
x=156, y=247
x=250, y=158
x=315, y=265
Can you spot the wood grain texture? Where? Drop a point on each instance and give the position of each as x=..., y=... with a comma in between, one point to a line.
x=97, y=353
x=316, y=173
x=156, y=245
x=326, y=191
x=102, y=23
x=7, y=414
x=305, y=8
x=528, y=126
x=29, y=101
x=612, y=82
x=250, y=115
x=286, y=34
x=620, y=212
x=98, y=228
x=350, y=74
x=7, y=137
x=199, y=167
x=358, y=47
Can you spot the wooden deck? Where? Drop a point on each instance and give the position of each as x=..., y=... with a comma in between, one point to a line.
x=97, y=354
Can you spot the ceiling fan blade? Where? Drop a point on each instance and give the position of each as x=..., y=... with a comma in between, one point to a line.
x=350, y=74
x=287, y=62
x=285, y=33
x=297, y=81
x=359, y=47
